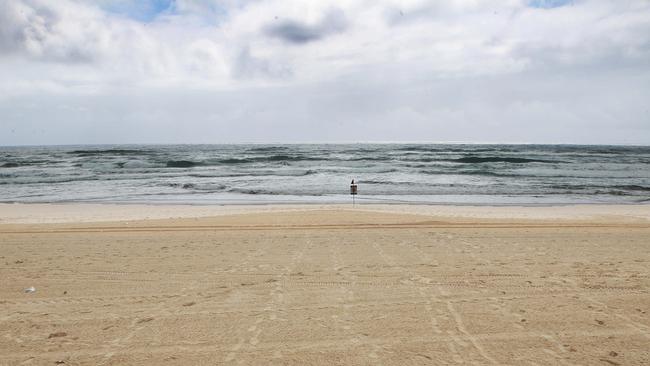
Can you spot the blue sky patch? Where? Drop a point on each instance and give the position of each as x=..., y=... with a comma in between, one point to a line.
x=548, y=4
x=144, y=11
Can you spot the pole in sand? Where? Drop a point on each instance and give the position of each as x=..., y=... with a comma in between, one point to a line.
x=353, y=191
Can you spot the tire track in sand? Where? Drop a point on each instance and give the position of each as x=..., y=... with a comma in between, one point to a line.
x=272, y=311
x=424, y=293
x=345, y=303
x=460, y=325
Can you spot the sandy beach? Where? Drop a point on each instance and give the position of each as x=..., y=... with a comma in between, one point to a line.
x=324, y=284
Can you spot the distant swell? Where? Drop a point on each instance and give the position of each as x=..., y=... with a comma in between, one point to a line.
x=633, y=188
x=392, y=183
x=182, y=185
x=256, y=191
x=285, y=158
x=13, y=164
x=181, y=164
x=496, y=159
x=371, y=158
x=474, y=172
x=235, y=161
x=268, y=149
x=109, y=152
x=276, y=173
x=206, y=187
x=265, y=159
x=252, y=191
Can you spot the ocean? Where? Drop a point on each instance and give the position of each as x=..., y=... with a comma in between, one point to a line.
x=321, y=173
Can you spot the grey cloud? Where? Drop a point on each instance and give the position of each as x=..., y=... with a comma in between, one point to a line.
x=444, y=12
x=296, y=32
x=621, y=44
x=245, y=66
x=37, y=30
x=397, y=16
x=526, y=107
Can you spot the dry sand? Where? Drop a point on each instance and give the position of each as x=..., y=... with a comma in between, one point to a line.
x=83, y=213
x=296, y=285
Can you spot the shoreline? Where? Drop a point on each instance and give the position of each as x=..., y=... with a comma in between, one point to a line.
x=45, y=213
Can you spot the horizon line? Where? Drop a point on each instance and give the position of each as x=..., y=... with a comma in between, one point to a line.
x=335, y=143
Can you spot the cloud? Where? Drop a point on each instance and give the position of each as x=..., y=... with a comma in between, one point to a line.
x=248, y=66
x=433, y=67
x=296, y=32
x=56, y=32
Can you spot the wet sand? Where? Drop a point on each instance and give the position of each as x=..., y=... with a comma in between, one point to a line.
x=326, y=285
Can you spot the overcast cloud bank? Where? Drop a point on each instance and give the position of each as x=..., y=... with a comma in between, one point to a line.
x=118, y=71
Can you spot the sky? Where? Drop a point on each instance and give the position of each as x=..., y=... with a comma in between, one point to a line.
x=285, y=71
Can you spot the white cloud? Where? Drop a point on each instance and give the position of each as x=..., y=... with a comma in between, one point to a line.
x=339, y=61
x=54, y=32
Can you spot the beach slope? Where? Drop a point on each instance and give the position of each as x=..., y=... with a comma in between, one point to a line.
x=329, y=285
